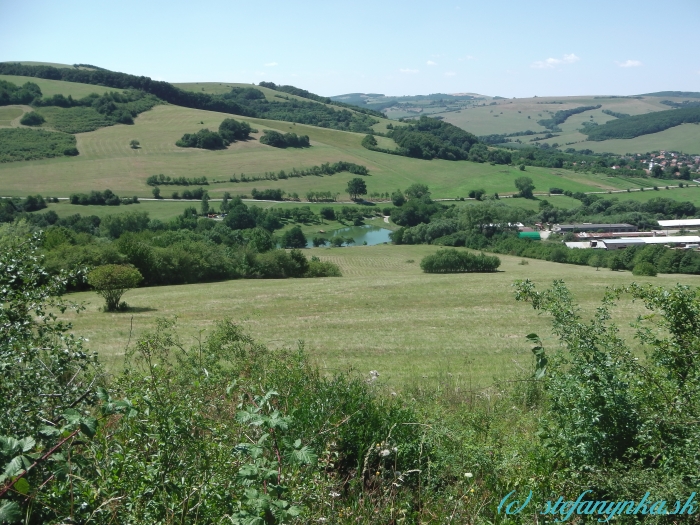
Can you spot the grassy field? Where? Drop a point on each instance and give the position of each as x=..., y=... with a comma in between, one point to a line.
x=511, y=115
x=107, y=161
x=8, y=114
x=384, y=314
x=685, y=138
x=59, y=87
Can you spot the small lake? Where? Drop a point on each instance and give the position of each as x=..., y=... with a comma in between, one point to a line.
x=368, y=233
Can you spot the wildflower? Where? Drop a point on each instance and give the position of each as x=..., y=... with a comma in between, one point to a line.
x=334, y=494
x=384, y=453
x=468, y=475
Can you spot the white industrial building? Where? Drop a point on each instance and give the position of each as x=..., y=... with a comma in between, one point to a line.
x=680, y=224
x=686, y=241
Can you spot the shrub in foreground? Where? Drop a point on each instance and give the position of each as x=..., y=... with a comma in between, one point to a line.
x=456, y=261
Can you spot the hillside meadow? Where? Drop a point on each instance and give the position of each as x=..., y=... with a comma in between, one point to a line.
x=384, y=314
x=107, y=161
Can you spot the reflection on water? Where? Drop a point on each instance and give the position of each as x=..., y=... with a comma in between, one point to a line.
x=370, y=234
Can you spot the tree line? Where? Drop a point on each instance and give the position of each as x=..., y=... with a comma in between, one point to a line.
x=101, y=198
x=637, y=125
x=248, y=102
x=292, y=90
x=166, y=180
x=562, y=115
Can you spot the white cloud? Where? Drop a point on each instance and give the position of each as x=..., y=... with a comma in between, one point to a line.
x=271, y=64
x=468, y=57
x=431, y=63
x=551, y=63
x=450, y=73
x=412, y=71
x=629, y=63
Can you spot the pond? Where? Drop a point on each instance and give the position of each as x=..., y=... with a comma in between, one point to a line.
x=368, y=233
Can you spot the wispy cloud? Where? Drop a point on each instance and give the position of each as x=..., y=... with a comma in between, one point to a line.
x=551, y=63
x=450, y=73
x=411, y=71
x=629, y=63
x=271, y=64
x=468, y=57
x=431, y=63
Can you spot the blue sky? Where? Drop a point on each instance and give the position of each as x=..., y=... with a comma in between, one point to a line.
x=507, y=48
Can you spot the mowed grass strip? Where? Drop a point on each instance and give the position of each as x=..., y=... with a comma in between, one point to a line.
x=384, y=314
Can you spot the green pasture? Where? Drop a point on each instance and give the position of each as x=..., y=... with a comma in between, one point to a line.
x=59, y=87
x=511, y=115
x=690, y=194
x=219, y=88
x=8, y=114
x=384, y=314
x=107, y=161
x=685, y=138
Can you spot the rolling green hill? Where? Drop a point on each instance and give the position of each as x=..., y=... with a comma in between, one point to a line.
x=483, y=115
x=107, y=161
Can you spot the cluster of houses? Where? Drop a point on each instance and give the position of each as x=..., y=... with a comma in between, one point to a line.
x=670, y=158
x=620, y=236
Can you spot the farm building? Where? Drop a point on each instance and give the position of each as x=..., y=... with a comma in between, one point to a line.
x=680, y=224
x=592, y=227
x=682, y=241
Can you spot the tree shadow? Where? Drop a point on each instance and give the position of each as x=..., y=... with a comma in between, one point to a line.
x=138, y=310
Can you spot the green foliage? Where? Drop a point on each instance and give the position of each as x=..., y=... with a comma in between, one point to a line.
x=428, y=138
x=356, y=187
x=32, y=119
x=204, y=139
x=325, y=100
x=609, y=409
x=561, y=116
x=286, y=140
x=166, y=180
x=268, y=194
x=450, y=260
x=615, y=114
x=13, y=94
x=94, y=111
x=232, y=130
x=293, y=238
x=111, y=281
x=637, y=125
x=48, y=381
x=101, y=198
x=134, y=144
x=31, y=144
x=525, y=187
x=644, y=268
x=240, y=101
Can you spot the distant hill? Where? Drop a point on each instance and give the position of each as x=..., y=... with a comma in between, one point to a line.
x=393, y=104
x=244, y=101
x=686, y=94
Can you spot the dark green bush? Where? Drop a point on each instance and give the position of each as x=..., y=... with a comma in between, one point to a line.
x=204, y=139
x=450, y=260
x=32, y=119
x=644, y=268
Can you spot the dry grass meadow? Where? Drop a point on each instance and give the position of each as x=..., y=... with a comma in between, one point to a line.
x=384, y=314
